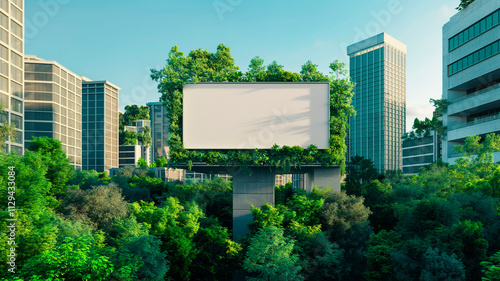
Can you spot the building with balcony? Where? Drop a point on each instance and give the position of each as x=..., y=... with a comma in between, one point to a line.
x=129, y=155
x=99, y=125
x=471, y=74
x=420, y=151
x=53, y=106
x=378, y=68
x=12, y=71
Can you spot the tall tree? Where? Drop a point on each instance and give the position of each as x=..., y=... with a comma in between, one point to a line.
x=59, y=168
x=360, y=171
x=310, y=73
x=256, y=70
x=270, y=257
x=135, y=112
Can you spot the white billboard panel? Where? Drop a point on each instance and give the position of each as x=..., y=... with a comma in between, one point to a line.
x=255, y=115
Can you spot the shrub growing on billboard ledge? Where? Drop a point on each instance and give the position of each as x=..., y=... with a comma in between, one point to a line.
x=202, y=66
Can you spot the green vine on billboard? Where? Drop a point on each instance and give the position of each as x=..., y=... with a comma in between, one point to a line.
x=202, y=66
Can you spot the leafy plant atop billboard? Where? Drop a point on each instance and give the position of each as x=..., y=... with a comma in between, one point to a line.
x=202, y=66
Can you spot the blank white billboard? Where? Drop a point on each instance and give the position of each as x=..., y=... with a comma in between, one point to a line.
x=255, y=115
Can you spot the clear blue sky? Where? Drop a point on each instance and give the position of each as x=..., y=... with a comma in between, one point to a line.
x=120, y=41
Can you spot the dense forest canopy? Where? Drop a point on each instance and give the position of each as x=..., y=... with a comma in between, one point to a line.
x=442, y=224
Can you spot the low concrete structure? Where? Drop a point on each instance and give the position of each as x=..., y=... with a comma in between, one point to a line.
x=257, y=188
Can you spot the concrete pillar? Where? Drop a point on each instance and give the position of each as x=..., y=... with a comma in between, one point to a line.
x=255, y=189
x=323, y=177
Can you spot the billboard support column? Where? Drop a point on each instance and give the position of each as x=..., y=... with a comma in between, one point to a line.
x=248, y=190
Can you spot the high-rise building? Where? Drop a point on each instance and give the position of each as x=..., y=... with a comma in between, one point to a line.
x=471, y=74
x=99, y=125
x=159, y=129
x=378, y=69
x=53, y=106
x=12, y=70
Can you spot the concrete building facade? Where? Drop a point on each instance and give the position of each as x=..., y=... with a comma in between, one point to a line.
x=420, y=151
x=378, y=69
x=471, y=74
x=99, y=125
x=12, y=70
x=53, y=106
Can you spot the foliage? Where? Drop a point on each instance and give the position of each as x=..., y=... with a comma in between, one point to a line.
x=219, y=256
x=6, y=130
x=256, y=70
x=86, y=179
x=135, y=112
x=283, y=193
x=270, y=257
x=441, y=266
x=142, y=163
x=99, y=205
x=160, y=162
x=477, y=150
x=35, y=231
x=128, y=137
x=75, y=259
x=176, y=226
x=378, y=254
x=203, y=66
x=320, y=258
x=145, y=137
x=441, y=105
x=463, y=4
x=59, y=169
x=340, y=212
x=360, y=171
x=492, y=268
x=153, y=261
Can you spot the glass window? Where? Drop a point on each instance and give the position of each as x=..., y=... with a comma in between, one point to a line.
x=16, y=105
x=16, y=43
x=16, y=13
x=4, y=84
x=4, y=68
x=16, y=120
x=4, y=21
x=17, y=90
x=4, y=4
x=16, y=29
x=16, y=59
x=4, y=36
x=16, y=74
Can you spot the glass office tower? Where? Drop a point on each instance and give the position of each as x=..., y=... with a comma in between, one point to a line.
x=378, y=69
x=99, y=125
x=12, y=70
x=159, y=130
x=53, y=106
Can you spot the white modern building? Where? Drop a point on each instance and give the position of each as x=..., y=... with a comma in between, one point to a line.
x=419, y=151
x=12, y=70
x=53, y=105
x=471, y=74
